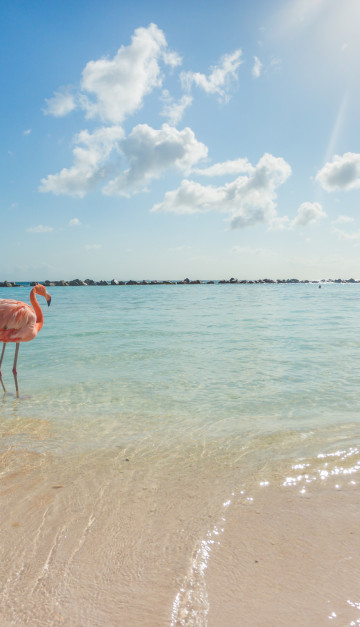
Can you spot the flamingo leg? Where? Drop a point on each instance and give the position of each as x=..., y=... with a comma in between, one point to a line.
x=14, y=368
x=1, y=358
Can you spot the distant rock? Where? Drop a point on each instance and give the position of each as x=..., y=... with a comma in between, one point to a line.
x=187, y=281
x=7, y=284
x=77, y=282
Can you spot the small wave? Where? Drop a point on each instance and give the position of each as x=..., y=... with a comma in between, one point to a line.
x=191, y=605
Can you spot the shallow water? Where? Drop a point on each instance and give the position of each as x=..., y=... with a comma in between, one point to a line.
x=146, y=414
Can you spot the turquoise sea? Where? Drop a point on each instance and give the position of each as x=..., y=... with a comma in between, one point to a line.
x=175, y=394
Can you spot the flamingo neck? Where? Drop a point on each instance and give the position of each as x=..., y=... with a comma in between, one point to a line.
x=37, y=308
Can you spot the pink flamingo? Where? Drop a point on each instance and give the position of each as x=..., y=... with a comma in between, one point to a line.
x=20, y=323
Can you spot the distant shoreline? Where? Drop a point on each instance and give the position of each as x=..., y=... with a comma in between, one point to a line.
x=232, y=281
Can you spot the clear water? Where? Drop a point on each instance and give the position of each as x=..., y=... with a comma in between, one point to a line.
x=145, y=365
x=205, y=391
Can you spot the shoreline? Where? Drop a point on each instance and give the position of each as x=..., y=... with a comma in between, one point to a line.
x=101, y=541
x=232, y=281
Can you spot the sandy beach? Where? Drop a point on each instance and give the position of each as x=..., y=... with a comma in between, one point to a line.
x=111, y=539
x=288, y=559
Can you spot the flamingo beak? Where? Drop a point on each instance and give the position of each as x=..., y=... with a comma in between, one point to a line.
x=48, y=298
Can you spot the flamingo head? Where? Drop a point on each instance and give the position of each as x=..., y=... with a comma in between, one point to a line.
x=42, y=291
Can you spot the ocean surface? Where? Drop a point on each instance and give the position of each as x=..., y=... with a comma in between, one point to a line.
x=193, y=394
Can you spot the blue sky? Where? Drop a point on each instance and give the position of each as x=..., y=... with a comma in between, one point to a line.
x=161, y=140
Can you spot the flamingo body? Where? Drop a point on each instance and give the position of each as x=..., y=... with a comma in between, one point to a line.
x=20, y=323
x=17, y=321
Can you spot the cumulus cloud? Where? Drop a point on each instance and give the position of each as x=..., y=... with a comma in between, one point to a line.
x=235, y=166
x=257, y=67
x=90, y=153
x=75, y=222
x=220, y=77
x=40, y=228
x=61, y=103
x=308, y=213
x=249, y=199
x=147, y=152
x=113, y=87
x=150, y=152
x=120, y=84
x=342, y=173
x=192, y=197
x=174, y=110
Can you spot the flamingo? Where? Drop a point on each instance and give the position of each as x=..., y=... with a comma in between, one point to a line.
x=20, y=323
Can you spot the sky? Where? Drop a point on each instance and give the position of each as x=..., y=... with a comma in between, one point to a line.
x=164, y=140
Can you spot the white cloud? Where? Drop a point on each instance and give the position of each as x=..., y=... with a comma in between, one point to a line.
x=151, y=152
x=75, y=222
x=191, y=197
x=40, y=229
x=220, y=77
x=235, y=166
x=308, y=213
x=171, y=58
x=27, y=132
x=62, y=102
x=174, y=111
x=257, y=67
x=89, y=156
x=249, y=199
x=120, y=84
x=342, y=173
x=112, y=88
x=147, y=151
x=342, y=220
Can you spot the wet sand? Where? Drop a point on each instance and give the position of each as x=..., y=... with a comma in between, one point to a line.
x=107, y=538
x=289, y=559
